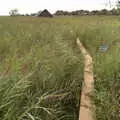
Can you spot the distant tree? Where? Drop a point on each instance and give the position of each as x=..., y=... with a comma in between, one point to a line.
x=104, y=12
x=59, y=12
x=118, y=7
x=27, y=14
x=95, y=12
x=118, y=4
x=13, y=12
x=115, y=7
x=33, y=14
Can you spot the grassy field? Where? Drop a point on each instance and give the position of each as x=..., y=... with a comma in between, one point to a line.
x=41, y=68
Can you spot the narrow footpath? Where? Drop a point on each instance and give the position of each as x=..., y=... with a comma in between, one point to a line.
x=86, y=107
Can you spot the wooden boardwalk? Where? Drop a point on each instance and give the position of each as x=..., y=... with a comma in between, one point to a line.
x=86, y=107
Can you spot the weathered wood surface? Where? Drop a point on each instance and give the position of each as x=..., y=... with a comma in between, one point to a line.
x=86, y=106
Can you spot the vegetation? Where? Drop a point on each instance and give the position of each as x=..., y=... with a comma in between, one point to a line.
x=114, y=11
x=41, y=68
x=14, y=12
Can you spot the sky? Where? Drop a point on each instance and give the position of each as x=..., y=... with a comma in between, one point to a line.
x=33, y=6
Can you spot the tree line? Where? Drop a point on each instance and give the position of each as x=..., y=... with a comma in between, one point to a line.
x=86, y=12
x=74, y=13
x=114, y=11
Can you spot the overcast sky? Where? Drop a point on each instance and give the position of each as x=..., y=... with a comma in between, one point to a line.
x=31, y=6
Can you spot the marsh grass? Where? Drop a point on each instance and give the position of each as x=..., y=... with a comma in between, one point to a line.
x=41, y=68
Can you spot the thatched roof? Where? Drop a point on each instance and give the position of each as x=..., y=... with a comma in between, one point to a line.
x=44, y=13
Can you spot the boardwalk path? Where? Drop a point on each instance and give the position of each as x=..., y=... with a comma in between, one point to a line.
x=86, y=106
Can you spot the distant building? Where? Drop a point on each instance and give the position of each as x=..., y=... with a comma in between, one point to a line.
x=44, y=13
